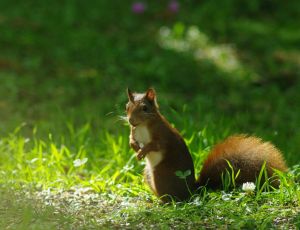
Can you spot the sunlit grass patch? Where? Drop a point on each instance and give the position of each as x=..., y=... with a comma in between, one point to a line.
x=83, y=208
x=52, y=163
x=94, y=183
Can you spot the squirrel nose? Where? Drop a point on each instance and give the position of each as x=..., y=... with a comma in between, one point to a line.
x=130, y=120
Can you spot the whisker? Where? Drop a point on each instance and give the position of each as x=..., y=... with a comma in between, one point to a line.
x=109, y=113
x=123, y=118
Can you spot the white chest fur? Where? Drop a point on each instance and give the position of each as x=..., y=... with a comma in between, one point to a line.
x=143, y=137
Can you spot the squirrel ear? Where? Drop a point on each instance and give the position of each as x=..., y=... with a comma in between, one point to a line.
x=130, y=95
x=150, y=94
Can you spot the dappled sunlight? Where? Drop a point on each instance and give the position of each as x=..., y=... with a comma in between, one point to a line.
x=193, y=41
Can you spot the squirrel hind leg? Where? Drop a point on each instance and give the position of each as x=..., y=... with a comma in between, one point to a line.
x=211, y=176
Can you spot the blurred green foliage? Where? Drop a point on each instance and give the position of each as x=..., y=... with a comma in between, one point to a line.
x=71, y=61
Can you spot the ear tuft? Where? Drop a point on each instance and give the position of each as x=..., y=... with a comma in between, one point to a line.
x=151, y=94
x=130, y=95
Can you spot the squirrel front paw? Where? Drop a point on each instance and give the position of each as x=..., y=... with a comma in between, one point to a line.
x=135, y=146
x=141, y=154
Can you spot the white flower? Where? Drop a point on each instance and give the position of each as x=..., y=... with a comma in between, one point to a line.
x=79, y=162
x=248, y=187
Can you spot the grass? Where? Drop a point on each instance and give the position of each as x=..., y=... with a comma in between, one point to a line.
x=64, y=67
x=45, y=184
x=214, y=211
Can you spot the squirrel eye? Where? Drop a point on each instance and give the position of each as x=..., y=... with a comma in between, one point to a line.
x=145, y=108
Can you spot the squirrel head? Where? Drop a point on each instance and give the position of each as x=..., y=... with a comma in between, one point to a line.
x=141, y=107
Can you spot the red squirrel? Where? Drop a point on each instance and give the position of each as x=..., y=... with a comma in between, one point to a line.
x=153, y=138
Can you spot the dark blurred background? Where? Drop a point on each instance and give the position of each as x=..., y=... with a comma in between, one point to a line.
x=231, y=66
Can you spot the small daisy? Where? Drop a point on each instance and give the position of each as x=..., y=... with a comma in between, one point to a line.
x=248, y=187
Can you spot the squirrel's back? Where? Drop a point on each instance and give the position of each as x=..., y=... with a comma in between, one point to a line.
x=244, y=153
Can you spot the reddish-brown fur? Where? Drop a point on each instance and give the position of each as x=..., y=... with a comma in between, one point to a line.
x=176, y=158
x=244, y=153
x=166, y=139
x=167, y=148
